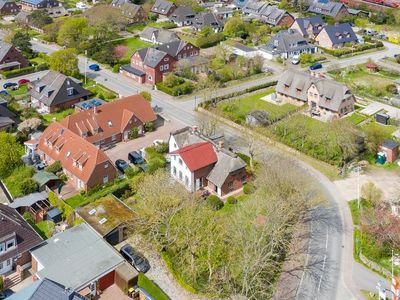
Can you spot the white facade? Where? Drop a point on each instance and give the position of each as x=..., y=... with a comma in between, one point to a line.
x=181, y=173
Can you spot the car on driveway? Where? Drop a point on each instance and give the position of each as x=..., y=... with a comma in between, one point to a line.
x=135, y=258
x=23, y=81
x=9, y=84
x=135, y=158
x=315, y=66
x=4, y=93
x=94, y=67
x=121, y=165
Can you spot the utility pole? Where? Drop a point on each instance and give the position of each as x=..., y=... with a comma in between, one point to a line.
x=85, y=64
x=358, y=187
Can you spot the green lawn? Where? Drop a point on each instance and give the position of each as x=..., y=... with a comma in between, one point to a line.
x=237, y=109
x=58, y=116
x=38, y=61
x=165, y=25
x=151, y=288
x=387, y=130
x=23, y=90
x=100, y=91
x=45, y=229
x=14, y=182
x=356, y=118
x=70, y=3
x=133, y=44
x=134, y=28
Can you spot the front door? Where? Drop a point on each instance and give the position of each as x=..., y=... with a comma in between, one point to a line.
x=5, y=266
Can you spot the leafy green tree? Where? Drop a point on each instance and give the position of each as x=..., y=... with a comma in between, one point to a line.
x=206, y=31
x=22, y=41
x=10, y=154
x=39, y=18
x=73, y=32
x=65, y=61
x=28, y=186
x=146, y=95
x=236, y=27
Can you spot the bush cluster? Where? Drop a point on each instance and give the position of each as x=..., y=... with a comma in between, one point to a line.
x=357, y=48
x=54, y=167
x=215, y=202
x=209, y=41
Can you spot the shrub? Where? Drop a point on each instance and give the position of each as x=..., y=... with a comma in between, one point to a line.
x=149, y=126
x=146, y=95
x=17, y=72
x=54, y=167
x=27, y=217
x=209, y=41
x=162, y=148
x=1, y=283
x=215, y=202
x=132, y=171
x=231, y=200
x=116, y=68
x=248, y=188
x=134, y=133
x=398, y=59
x=28, y=186
x=156, y=163
x=391, y=88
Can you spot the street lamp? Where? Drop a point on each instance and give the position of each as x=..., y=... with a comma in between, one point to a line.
x=86, y=60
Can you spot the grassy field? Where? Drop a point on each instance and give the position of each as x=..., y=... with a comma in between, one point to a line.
x=15, y=180
x=387, y=130
x=100, y=91
x=58, y=116
x=70, y=3
x=356, y=118
x=237, y=109
x=23, y=90
x=133, y=44
x=359, y=79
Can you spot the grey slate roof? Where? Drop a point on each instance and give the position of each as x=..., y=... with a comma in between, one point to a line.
x=162, y=7
x=172, y=48
x=204, y=19
x=4, y=48
x=51, y=290
x=11, y=223
x=161, y=36
x=390, y=144
x=271, y=14
x=286, y=41
x=226, y=164
x=182, y=14
x=316, y=22
x=295, y=84
x=151, y=56
x=243, y=48
x=129, y=9
x=119, y=2
x=184, y=138
x=76, y=257
x=253, y=7
x=28, y=200
x=4, y=2
x=53, y=89
x=341, y=33
x=326, y=7
x=132, y=70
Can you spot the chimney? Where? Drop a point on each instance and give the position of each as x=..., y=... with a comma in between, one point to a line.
x=194, y=129
x=221, y=145
x=95, y=110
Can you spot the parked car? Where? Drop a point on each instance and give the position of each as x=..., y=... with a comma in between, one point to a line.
x=9, y=84
x=296, y=59
x=135, y=158
x=158, y=142
x=4, y=93
x=315, y=66
x=23, y=81
x=15, y=87
x=136, y=259
x=94, y=67
x=121, y=165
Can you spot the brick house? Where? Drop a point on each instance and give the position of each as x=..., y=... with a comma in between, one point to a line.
x=267, y=13
x=56, y=91
x=336, y=36
x=77, y=258
x=85, y=165
x=17, y=237
x=29, y=5
x=163, y=8
x=308, y=27
x=390, y=148
x=11, y=58
x=323, y=96
x=200, y=163
x=149, y=65
x=111, y=122
x=9, y=7
x=133, y=13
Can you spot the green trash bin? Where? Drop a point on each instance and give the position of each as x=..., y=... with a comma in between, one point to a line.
x=380, y=159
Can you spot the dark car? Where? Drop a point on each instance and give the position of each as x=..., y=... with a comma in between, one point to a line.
x=121, y=165
x=135, y=258
x=315, y=66
x=23, y=81
x=9, y=84
x=94, y=67
x=4, y=93
x=135, y=158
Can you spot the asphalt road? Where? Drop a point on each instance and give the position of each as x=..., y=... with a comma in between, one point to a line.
x=336, y=275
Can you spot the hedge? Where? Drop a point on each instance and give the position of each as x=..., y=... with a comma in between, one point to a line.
x=209, y=41
x=151, y=288
x=54, y=167
x=358, y=48
x=215, y=202
x=178, y=90
x=17, y=72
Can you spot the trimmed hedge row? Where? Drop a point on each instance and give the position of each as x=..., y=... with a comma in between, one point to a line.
x=178, y=90
x=358, y=48
x=17, y=72
x=209, y=41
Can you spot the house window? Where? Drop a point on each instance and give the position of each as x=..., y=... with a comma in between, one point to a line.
x=186, y=181
x=2, y=247
x=8, y=262
x=1, y=265
x=161, y=68
x=105, y=179
x=180, y=175
x=230, y=186
x=150, y=78
x=174, y=171
x=70, y=91
x=114, y=138
x=179, y=56
x=243, y=179
x=180, y=162
x=105, y=166
x=166, y=67
x=10, y=244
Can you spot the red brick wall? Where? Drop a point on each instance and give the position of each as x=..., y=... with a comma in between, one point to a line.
x=99, y=172
x=24, y=259
x=286, y=21
x=106, y=281
x=15, y=55
x=10, y=9
x=235, y=178
x=188, y=51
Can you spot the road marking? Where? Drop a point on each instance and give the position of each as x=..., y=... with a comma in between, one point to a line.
x=305, y=265
x=322, y=275
x=327, y=238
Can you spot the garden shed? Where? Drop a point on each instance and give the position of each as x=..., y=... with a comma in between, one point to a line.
x=54, y=215
x=382, y=118
x=391, y=149
x=44, y=178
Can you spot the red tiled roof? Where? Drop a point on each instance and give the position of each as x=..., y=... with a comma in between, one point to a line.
x=68, y=148
x=111, y=118
x=197, y=156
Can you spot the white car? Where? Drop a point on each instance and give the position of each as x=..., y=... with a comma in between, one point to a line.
x=158, y=142
x=81, y=5
x=296, y=59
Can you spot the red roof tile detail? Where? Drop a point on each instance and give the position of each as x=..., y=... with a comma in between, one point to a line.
x=197, y=156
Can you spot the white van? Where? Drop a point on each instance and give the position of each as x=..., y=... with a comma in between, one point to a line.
x=296, y=59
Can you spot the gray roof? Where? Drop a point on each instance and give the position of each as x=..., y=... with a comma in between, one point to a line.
x=76, y=257
x=295, y=84
x=226, y=164
x=326, y=7
x=286, y=41
x=53, y=89
x=182, y=14
x=132, y=70
x=253, y=7
x=183, y=137
x=119, y=2
x=151, y=56
x=129, y=9
x=4, y=2
x=204, y=19
x=271, y=14
x=28, y=200
x=43, y=177
x=172, y=48
x=162, y=7
x=4, y=48
x=161, y=36
x=316, y=22
x=340, y=33
x=243, y=48
x=390, y=144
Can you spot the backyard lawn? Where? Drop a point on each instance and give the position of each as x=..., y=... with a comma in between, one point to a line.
x=356, y=118
x=237, y=109
x=387, y=130
x=58, y=116
x=133, y=44
x=359, y=79
x=100, y=91
x=23, y=89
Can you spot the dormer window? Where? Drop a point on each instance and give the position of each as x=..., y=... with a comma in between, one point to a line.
x=70, y=91
x=68, y=154
x=109, y=123
x=10, y=244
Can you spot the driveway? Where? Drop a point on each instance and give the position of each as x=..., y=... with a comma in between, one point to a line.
x=121, y=150
x=158, y=271
x=387, y=181
x=374, y=107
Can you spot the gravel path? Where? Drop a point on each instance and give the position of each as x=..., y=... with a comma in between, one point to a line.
x=159, y=272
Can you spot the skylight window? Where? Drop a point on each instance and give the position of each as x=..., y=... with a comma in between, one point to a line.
x=102, y=221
